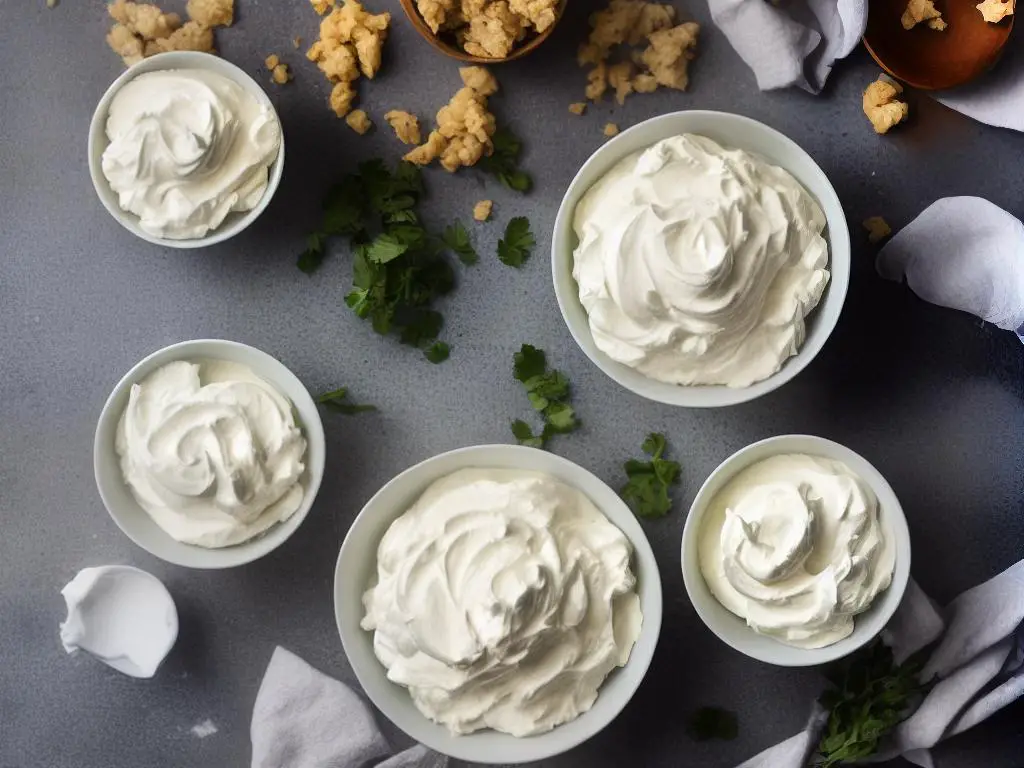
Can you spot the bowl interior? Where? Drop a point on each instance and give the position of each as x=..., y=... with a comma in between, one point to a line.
x=731, y=131
x=733, y=630
x=925, y=58
x=234, y=222
x=133, y=519
x=357, y=565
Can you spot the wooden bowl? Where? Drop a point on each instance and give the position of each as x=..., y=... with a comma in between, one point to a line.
x=531, y=44
x=931, y=60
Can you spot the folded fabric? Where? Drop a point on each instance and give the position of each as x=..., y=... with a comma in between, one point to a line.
x=963, y=253
x=977, y=668
x=304, y=719
x=798, y=43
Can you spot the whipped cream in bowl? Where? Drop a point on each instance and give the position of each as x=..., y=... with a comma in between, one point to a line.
x=796, y=551
x=499, y=604
x=185, y=149
x=209, y=453
x=700, y=259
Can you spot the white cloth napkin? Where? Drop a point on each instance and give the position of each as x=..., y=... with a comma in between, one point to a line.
x=964, y=253
x=977, y=667
x=304, y=719
x=797, y=41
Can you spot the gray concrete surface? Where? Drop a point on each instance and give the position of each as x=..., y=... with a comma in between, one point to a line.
x=932, y=397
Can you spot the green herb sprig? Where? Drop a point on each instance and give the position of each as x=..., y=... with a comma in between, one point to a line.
x=503, y=162
x=866, y=698
x=398, y=266
x=646, y=490
x=337, y=400
x=514, y=248
x=548, y=391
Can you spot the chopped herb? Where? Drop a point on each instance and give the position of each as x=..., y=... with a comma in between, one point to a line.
x=548, y=392
x=514, y=248
x=504, y=162
x=337, y=401
x=867, y=697
x=398, y=267
x=713, y=723
x=457, y=239
x=646, y=490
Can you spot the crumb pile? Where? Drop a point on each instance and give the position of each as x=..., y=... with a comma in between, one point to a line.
x=464, y=125
x=994, y=11
x=882, y=107
x=351, y=44
x=919, y=11
x=488, y=28
x=142, y=29
x=664, y=62
x=279, y=72
x=405, y=125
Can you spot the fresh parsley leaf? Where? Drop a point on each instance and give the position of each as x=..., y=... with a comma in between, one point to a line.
x=503, y=162
x=385, y=248
x=646, y=489
x=456, y=238
x=337, y=400
x=868, y=696
x=311, y=258
x=713, y=723
x=548, y=392
x=437, y=352
x=514, y=248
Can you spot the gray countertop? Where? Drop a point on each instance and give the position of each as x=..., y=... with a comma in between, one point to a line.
x=932, y=397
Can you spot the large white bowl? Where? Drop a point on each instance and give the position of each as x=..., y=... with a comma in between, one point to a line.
x=136, y=522
x=98, y=142
x=357, y=564
x=733, y=630
x=731, y=131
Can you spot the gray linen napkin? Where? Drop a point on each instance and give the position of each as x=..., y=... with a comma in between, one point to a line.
x=977, y=667
x=964, y=253
x=798, y=41
x=304, y=719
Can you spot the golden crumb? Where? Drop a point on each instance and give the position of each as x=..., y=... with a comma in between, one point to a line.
x=610, y=129
x=669, y=54
x=540, y=14
x=488, y=28
x=994, y=11
x=144, y=20
x=211, y=13
x=272, y=61
x=482, y=210
x=322, y=6
x=922, y=11
x=578, y=107
x=125, y=44
x=405, y=125
x=192, y=36
x=882, y=107
x=464, y=126
x=358, y=121
x=281, y=74
x=878, y=229
x=597, y=82
x=351, y=44
x=297, y=42
x=620, y=77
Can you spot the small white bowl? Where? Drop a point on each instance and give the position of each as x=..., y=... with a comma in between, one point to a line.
x=136, y=522
x=357, y=564
x=98, y=142
x=731, y=131
x=730, y=628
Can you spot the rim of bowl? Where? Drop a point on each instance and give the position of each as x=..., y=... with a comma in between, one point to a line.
x=235, y=222
x=820, y=323
x=118, y=499
x=488, y=746
x=730, y=628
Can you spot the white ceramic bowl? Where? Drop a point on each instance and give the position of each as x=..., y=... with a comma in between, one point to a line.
x=133, y=519
x=235, y=222
x=357, y=564
x=731, y=131
x=733, y=630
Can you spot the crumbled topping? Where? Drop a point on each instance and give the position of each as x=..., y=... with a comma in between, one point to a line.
x=488, y=28
x=142, y=29
x=882, y=107
x=878, y=229
x=211, y=13
x=610, y=129
x=578, y=107
x=994, y=11
x=482, y=210
x=405, y=125
x=922, y=11
x=359, y=121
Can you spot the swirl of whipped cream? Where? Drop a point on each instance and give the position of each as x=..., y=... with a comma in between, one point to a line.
x=188, y=147
x=502, y=600
x=697, y=264
x=794, y=545
x=212, y=452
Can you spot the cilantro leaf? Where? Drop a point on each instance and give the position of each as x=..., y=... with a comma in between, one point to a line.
x=311, y=258
x=528, y=362
x=548, y=392
x=561, y=417
x=437, y=352
x=524, y=434
x=713, y=723
x=503, y=162
x=456, y=238
x=646, y=489
x=514, y=248
x=385, y=248
x=337, y=400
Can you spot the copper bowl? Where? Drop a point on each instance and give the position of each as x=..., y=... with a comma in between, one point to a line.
x=531, y=44
x=931, y=60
